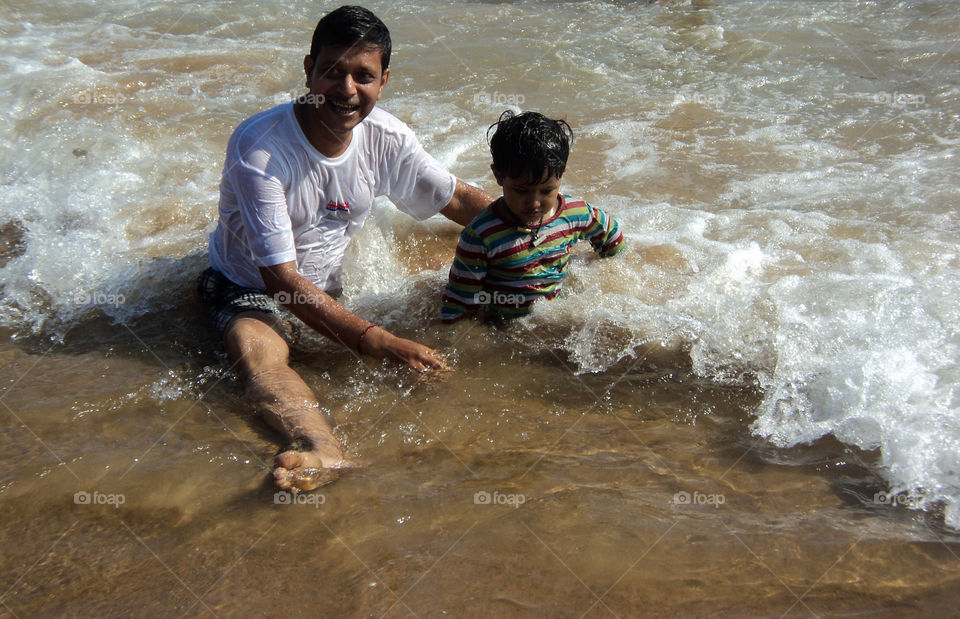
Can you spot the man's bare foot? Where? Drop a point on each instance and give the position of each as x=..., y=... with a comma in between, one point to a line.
x=304, y=470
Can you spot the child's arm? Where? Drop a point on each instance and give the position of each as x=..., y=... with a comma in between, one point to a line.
x=465, y=283
x=604, y=233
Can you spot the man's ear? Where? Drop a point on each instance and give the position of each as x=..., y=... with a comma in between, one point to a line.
x=383, y=82
x=308, y=67
x=497, y=175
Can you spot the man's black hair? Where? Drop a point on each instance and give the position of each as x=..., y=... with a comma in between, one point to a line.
x=349, y=26
x=530, y=143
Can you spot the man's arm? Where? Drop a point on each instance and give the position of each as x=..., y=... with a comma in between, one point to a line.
x=467, y=202
x=322, y=313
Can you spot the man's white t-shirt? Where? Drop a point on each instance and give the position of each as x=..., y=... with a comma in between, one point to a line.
x=281, y=200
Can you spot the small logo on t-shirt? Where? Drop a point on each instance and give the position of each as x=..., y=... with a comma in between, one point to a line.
x=338, y=206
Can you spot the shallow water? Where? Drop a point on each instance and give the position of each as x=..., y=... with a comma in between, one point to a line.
x=751, y=412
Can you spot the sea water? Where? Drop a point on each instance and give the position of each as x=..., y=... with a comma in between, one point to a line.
x=785, y=174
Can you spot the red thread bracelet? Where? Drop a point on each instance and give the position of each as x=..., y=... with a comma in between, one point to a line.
x=363, y=334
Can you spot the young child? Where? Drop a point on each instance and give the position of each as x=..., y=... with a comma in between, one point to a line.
x=517, y=249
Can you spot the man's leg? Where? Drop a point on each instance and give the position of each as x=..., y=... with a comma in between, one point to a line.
x=261, y=357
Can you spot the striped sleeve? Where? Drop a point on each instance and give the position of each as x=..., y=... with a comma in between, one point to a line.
x=604, y=233
x=465, y=282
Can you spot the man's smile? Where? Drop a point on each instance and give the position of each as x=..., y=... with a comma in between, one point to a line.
x=343, y=109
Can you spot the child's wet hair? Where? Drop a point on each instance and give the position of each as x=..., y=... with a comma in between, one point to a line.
x=529, y=143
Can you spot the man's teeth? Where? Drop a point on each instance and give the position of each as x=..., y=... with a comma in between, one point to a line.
x=344, y=109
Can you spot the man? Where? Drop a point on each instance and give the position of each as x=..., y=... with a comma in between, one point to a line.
x=298, y=183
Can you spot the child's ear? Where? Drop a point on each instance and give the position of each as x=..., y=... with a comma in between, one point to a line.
x=496, y=175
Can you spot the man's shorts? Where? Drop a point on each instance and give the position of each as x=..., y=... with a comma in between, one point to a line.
x=224, y=300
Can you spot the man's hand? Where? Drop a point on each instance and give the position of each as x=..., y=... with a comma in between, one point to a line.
x=321, y=312
x=382, y=344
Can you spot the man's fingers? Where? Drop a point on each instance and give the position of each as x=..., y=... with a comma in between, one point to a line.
x=429, y=360
x=433, y=373
x=418, y=356
x=436, y=360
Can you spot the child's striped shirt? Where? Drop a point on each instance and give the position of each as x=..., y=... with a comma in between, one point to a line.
x=503, y=269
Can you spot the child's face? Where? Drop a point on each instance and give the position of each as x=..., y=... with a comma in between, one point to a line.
x=530, y=201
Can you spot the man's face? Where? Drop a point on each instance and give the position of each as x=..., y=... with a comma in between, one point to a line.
x=346, y=84
x=531, y=201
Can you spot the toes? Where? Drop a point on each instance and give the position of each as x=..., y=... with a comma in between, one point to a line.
x=295, y=472
x=289, y=460
x=283, y=478
x=311, y=479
